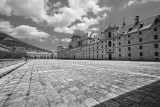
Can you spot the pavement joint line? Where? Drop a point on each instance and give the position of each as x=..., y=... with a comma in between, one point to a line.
x=10, y=79
x=28, y=93
x=8, y=97
x=11, y=70
x=40, y=80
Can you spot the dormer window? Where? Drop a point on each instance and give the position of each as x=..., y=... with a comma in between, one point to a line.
x=141, y=25
x=129, y=29
x=109, y=34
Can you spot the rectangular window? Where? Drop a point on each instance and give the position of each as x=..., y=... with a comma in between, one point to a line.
x=129, y=48
x=155, y=36
x=140, y=47
x=141, y=54
x=156, y=54
x=119, y=55
x=129, y=54
x=128, y=36
x=140, y=39
x=129, y=42
x=155, y=29
x=155, y=45
x=140, y=33
x=156, y=59
x=119, y=43
x=119, y=49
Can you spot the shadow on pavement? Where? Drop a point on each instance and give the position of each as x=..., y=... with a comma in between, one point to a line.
x=146, y=96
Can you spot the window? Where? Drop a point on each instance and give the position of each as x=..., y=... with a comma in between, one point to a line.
x=119, y=43
x=129, y=48
x=102, y=56
x=140, y=47
x=156, y=54
x=141, y=59
x=119, y=38
x=141, y=54
x=156, y=59
x=140, y=32
x=129, y=54
x=119, y=49
x=97, y=56
x=102, y=46
x=109, y=34
x=97, y=51
x=155, y=36
x=128, y=36
x=155, y=45
x=113, y=44
x=109, y=43
x=155, y=29
x=119, y=55
x=140, y=39
x=129, y=42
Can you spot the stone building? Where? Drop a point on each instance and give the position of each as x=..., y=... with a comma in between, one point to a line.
x=138, y=41
x=39, y=55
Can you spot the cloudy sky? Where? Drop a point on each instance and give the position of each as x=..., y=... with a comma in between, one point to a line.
x=43, y=22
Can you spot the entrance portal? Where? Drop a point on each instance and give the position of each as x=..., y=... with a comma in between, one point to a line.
x=110, y=56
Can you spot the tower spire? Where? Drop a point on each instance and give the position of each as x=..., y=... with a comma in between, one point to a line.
x=60, y=41
x=124, y=23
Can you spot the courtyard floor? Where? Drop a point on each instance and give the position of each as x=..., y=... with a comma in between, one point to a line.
x=82, y=83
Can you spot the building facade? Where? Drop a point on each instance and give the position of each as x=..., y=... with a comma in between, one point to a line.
x=138, y=41
x=39, y=55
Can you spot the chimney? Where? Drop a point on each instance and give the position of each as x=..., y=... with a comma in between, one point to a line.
x=136, y=20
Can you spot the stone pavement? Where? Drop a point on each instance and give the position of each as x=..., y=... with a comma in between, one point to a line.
x=82, y=83
x=8, y=69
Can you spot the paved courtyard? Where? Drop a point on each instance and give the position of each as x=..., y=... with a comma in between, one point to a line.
x=82, y=83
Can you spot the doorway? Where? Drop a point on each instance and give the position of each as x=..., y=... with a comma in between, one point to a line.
x=110, y=57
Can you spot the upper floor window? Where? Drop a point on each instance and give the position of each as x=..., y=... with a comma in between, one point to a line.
x=155, y=36
x=128, y=36
x=155, y=29
x=109, y=43
x=155, y=45
x=140, y=39
x=119, y=43
x=109, y=34
x=129, y=42
x=129, y=48
x=140, y=32
x=140, y=47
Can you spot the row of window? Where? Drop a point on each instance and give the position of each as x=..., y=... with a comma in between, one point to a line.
x=141, y=47
x=141, y=54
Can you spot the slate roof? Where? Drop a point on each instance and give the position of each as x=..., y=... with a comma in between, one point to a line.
x=147, y=23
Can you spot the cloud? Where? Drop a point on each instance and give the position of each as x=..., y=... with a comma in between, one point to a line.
x=39, y=11
x=66, y=40
x=94, y=29
x=5, y=26
x=23, y=31
x=132, y=2
x=83, y=26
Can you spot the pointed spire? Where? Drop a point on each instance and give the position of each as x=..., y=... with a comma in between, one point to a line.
x=60, y=42
x=124, y=23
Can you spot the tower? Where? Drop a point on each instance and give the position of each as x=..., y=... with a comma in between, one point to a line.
x=124, y=23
